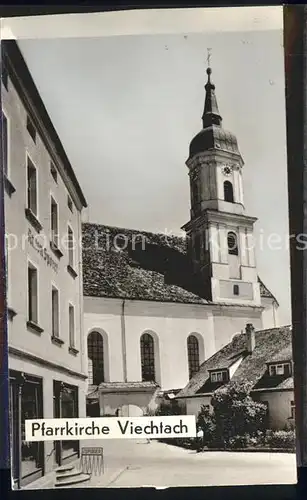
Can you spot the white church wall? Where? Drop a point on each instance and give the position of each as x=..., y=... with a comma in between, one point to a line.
x=104, y=315
x=170, y=324
x=270, y=313
x=232, y=320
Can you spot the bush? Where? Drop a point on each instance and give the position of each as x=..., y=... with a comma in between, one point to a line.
x=168, y=408
x=281, y=439
x=290, y=426
x=238, y=441
x=236, y=413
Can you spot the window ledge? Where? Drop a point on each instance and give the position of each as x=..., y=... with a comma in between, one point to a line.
x=33, y=220
x=11, y=313
x=56, y=340
x=34, y=327
x=8, y=186
x=71, y=271
x=57, y=252
x=73, y=350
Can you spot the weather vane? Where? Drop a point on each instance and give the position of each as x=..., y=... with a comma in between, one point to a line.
x=208, y=56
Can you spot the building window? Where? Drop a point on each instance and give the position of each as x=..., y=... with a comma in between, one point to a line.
x=5, y=144
x=32, y=187
x=147, y=358
x=31, y=129
x=193, y=355
x=71, y=312
x=236, y=289
x=95, y=358
x=280, y=369
x=220, y=376
x=54, y=222
x=69, y=203
x=32, y=294
x=70, y=247
x=228, y=192
x=55, y=313
x=232, y=243
x=53, y=172
x=292, y=409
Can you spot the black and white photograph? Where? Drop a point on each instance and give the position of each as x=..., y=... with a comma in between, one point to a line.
x=147, y=252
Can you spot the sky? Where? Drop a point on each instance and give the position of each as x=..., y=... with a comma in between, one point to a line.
x=127, y=107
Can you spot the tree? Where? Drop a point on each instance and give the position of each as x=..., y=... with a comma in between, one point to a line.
x=235, y=415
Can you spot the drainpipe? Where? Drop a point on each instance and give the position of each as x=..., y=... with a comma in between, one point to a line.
x=123, y=330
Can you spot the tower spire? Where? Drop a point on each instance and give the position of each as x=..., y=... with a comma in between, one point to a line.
x=211, y=114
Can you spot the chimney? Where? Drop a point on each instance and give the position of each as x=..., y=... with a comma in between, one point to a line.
x=250, y=338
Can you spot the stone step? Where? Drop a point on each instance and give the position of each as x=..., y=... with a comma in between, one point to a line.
x=67, y=475
x=80, y=478
x=64, y=468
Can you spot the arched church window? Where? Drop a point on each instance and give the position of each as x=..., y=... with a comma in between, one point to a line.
x=193, y=355
x=95, y=358
x=228, y=192
x=232, y=243
x=148, y=358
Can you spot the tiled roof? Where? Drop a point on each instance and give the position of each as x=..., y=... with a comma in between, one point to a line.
x=115, y=265
x=253, y=367
x=283, y=355
x=93, y=391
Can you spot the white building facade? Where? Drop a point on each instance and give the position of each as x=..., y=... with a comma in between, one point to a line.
x=43, y=204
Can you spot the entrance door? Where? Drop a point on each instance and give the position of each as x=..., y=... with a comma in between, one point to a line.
x=65, y=405
x=25, y=403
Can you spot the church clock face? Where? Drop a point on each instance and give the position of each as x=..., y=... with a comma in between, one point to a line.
x=226, y=169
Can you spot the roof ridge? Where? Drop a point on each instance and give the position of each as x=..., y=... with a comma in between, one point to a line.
x=141, y=231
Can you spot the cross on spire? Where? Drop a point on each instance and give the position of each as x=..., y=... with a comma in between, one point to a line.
x=209, y=53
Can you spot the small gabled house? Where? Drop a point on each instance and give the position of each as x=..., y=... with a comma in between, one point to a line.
x=263, y=358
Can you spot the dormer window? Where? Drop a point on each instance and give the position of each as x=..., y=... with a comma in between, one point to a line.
x=219, y=376
x=280, y=369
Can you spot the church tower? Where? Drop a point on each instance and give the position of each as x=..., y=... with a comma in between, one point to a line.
x=220, y=233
